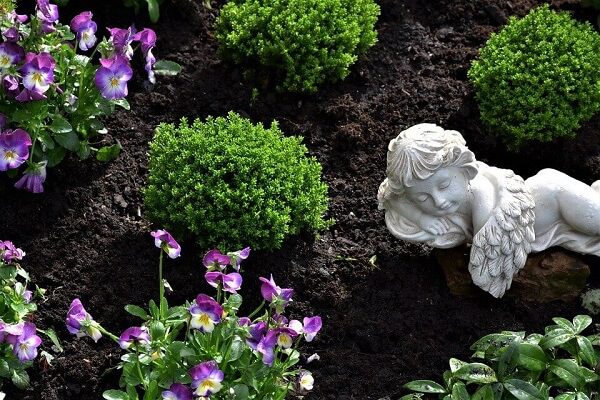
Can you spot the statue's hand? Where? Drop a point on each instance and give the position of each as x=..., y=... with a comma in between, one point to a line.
x=434, y=225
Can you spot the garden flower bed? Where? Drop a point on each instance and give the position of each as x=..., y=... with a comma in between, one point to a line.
x=388, y=316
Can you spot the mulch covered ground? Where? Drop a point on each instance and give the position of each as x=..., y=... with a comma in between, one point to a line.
x=388, y=319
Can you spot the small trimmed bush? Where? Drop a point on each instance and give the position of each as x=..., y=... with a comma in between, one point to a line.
x=230, y=183
x=539, y=77
x=307, y=41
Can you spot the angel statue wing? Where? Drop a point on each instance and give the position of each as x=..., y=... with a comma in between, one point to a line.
x=501, y=246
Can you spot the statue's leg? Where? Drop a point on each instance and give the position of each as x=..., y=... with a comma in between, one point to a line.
x=578, y=203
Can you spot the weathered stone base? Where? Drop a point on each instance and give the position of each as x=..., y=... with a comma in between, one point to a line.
x=554, y=274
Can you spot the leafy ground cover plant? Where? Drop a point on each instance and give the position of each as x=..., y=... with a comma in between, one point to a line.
x=52, y=95
x=205, y=175
x=19, y=341
x=204, y=349
x=307, y=41
x=539, y=77
x=561, y=364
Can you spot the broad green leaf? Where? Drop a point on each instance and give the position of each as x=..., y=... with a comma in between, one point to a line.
x=164, y=67
x=555, y=338
x=132, y=392
x=45, y=139
x=115, y=395
x=566, y=396
x=476, y=373
x=68, y=140
x=152, y=391
x=53, y=337
x=534, y=338
x=4, y=369
x=55, y=156
x=8, y=272
x=123, y=103
x=565, y=324
x=242, y=393
x=581, y=322
x=237, y=348
x=137, y=311
x=425, y=386
x=586, y=351
x=84, y=150
x=523, y=390
x=588, y=375
x=153, y=10
x=568, y=371
x=60, y=125
x=20, y=379
x=508, y=360
x=459, y=392
x=582, y=396
x=484, y=393
x=456, y=364
x=157, y=330
x=108, y=153
x=532, y=357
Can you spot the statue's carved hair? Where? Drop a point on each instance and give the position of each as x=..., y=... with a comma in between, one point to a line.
x=419, y=151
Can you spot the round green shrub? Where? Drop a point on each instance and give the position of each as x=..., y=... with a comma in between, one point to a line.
x=539, y=77
x=307, y=41
x=231, y=183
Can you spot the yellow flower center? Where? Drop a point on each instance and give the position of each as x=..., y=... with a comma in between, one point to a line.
x=5, y=61
x=114, y=82
x=11, y=155
x=36, y=77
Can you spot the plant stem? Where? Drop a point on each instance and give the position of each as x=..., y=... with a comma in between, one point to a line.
x=139, y=367
x=253, y=313
x=161, y=289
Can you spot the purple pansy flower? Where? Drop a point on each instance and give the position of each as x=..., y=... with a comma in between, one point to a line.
x=9, y=252
x=14, y=148
x=10, y=54
x=266, y=347
x=33, y=178
x=310, y=327
x=38, y=74
x=80, y=323
x=230, y=282
x=27, y=294
x=11, y=35
x=164, y=240
x=48, y=14
x=135, y=335
x=11, y=86
x=147, y=39
x=257, y=332
x=240, y=256
x=8, y=330
x=178, y=391
x=205, y=313
x=14, y=18
x=122, y=39
x=85, y=29
x=215, y=261
x=271, y=292
x=285, y=337
x=244, y=321
x=112, y=77
x=206, y=378
x=25, y=345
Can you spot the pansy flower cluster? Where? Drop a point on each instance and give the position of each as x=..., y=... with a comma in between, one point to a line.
x=203, y=350
x=19, y=340
x=53, y=92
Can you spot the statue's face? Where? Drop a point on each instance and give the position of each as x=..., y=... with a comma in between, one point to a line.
x=442, y=193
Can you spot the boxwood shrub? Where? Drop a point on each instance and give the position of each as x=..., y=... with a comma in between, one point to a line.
x=308, y=42
x=539, y=77
x=231, y=183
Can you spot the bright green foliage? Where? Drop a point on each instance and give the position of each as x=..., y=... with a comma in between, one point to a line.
x=510, y=365
x=539, y=77
x=6, y=6
x=232, y=183
x=308, y=41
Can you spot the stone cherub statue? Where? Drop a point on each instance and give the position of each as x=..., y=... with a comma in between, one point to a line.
x=437, y=193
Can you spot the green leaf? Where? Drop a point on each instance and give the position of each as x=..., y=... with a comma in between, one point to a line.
x=152, y=391
x=555, y=338
x=4, y=369
x=20, y=379
x=68, y=140
x=108, y=153
x=412, y=396
x=137, y=311
x=566, y=396
x=459, y=392
x=115, y=395
x=55, y=156
x=60, y=125
x=523, y=390
x=157, y=330
x=241, y=392
x=581, y=322
x=237, y=349
x=568, y=371
x=456, y=364
x=169, y=68
x=532, y=357
x=565, y=324
x=476, y=373
x=153, y=10
x=46, y=140
x=586, y=351
x=509, y=359
x=8, y=272
x=53, y=337
x=484, y=393
x=425, y=386
x=84, y=150
x=123, y=103
x=588, y=375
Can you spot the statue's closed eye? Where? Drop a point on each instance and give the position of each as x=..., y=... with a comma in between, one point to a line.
x=445, y=184
x=422, y=197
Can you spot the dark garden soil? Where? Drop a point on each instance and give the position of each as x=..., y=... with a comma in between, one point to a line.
x=388, y=316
